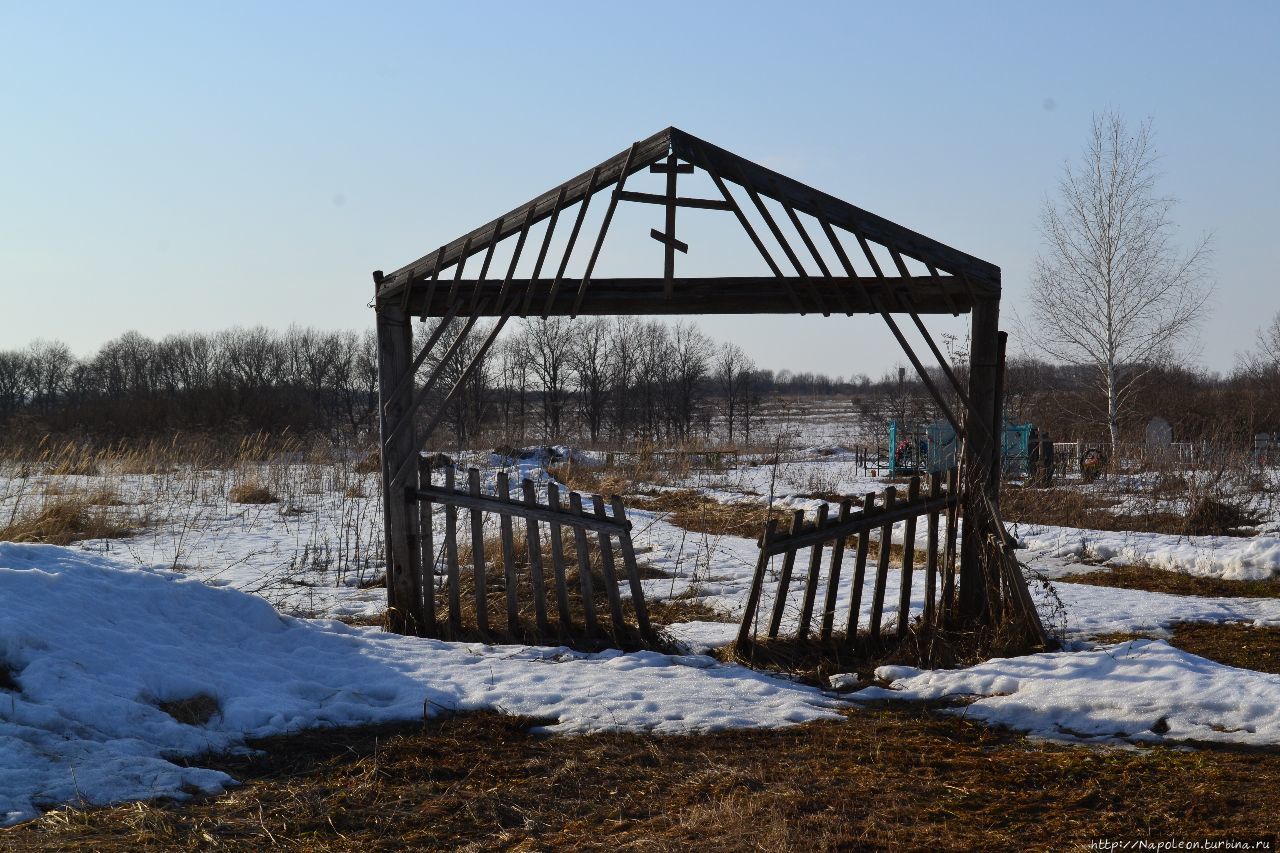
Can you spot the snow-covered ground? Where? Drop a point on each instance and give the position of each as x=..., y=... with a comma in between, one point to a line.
x=1142, y=691
x=106, y=630
x=95, y=645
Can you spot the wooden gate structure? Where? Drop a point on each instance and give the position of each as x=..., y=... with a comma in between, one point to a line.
x=801, y=281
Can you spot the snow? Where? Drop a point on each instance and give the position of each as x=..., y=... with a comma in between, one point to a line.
x=1230, y=557
x=1128, y=692
x=1093, y=610
x=96, y=644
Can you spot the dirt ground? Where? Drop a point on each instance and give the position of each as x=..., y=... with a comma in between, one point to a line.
x=883, y=778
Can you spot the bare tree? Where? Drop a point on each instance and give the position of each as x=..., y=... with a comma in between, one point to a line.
x=730, y=366
x=549, y=344
x=1111, y=292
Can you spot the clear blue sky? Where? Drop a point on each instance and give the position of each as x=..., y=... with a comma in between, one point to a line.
x=193, y=165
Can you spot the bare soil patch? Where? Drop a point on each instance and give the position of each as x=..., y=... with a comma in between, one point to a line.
x=881, y=779
x=1176, y=583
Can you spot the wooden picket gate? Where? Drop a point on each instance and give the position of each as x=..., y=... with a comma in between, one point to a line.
x=940, y=562
x=447, y=614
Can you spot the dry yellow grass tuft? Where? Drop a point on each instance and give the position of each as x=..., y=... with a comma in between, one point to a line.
x=250, y=491
x=66, y=519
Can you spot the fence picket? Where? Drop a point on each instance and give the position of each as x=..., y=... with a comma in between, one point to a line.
x=477, y=553
x=931, y=554
x=427, y=561
x=534, y=544
x=509, y=556
x=584, y=567
x=882, y=566
x=557, y=564
x=811, y=583
x=833, y=575
x=784, y=580
x=633, y=574
x=859, y=579
x=451, y=556
x=609, y=570
x=908, y=560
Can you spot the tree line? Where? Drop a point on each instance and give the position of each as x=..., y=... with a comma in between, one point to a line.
x=613, y=381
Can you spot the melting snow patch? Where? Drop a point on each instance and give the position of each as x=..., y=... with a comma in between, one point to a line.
x=120, y=671
x=1140, y=691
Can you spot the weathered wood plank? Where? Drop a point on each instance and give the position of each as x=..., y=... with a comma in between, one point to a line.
x=882, y=565
x=833, y=575
x=541, y=513
x=858, y=522
x=931, y=555
x=746, y=630
x=719, y=295
x=584, y=565
x=908, y=558
x=811, y=582
x=643, y=154
x=427, y=560
x=477, y=552
x=451, y=557
x=633, y=574
x=512, y=577
x=859, y=574
x=534, y=543
x=949, y=555
x=557, y=560
x=610, y=572
x=784, y=577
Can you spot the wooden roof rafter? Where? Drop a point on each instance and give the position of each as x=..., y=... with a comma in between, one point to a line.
x=955, y=280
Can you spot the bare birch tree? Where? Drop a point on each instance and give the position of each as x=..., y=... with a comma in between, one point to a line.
x=1111, y=291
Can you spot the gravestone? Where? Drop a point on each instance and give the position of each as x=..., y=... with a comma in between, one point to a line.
x=1158, y=434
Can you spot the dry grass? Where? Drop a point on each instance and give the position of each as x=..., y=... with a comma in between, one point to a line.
x=1176, y=583
x=66, y=519
x=880, y=779
x=251, y=491
x=1233, y=644
x=1068, y=507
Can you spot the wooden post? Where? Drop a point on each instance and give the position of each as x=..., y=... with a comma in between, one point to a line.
x=982, y=459
x=399, y=512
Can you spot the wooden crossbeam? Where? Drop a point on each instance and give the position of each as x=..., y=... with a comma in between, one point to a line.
x=680, y=201
x=723, y=295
